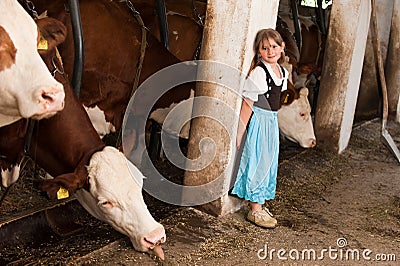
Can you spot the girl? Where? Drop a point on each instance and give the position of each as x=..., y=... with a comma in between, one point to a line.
x=256, y=178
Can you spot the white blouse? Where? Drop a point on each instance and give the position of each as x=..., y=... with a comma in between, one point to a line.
x=256, y=83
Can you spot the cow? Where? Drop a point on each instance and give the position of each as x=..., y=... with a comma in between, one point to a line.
x=291, y=50
x=185, y=25
x=295, y=121
x=69, y=149
x=113, y=43
x=312, y=49
x=27, y=89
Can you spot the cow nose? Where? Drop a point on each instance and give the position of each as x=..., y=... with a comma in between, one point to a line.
x=52, y=99
x=156, y=237
x=151, y=242
x=313, y=143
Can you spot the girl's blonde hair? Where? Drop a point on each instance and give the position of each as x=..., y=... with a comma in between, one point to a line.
x=262, y=35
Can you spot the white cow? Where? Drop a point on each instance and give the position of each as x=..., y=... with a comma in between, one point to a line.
x=294, y=120
x=27, y=88
x=119, y=202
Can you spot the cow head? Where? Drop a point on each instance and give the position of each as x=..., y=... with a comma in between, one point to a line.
x=115, y=196
x=304, y=74
x=295, y=121
x=26, y=86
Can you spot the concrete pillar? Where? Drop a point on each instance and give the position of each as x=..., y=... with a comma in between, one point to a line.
x=341, y=73
x=392, y=68
x=368, y=106
x=229, y=32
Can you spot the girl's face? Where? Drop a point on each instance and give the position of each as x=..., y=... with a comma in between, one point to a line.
x=270, y=51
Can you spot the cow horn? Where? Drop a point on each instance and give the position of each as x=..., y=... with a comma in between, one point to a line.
x=304, y=91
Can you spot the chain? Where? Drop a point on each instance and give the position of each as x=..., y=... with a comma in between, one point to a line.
x=56, y=68
x=138, y=18
x=197, y=14
x=31, y=7
x=132, y=8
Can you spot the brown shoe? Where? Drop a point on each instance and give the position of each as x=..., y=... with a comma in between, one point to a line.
x=262, y=218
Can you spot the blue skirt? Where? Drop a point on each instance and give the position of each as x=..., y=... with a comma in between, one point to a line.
x=258, y=169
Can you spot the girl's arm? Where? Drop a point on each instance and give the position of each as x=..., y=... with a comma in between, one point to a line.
x=244, y=117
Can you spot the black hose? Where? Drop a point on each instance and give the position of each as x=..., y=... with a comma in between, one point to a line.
x=78, y=44
x=162, y=22
x=321, y=18
x=296, y=23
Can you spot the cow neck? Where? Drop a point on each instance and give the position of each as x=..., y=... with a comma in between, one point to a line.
x=57, y=68
x=82, y=171
x=138, y=18
x=65, y=142
x=290, y=41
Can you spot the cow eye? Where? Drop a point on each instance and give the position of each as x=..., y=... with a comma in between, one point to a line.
x=105, y=204
x=302, y=114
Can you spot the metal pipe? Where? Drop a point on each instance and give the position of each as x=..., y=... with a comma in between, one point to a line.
x=78, y=46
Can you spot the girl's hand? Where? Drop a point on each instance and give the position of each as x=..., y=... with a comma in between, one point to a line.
x=245, y=113
x=240, y=133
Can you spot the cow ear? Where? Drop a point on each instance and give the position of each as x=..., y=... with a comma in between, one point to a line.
x=71, y=182
x=52, y=30
x=287, y=97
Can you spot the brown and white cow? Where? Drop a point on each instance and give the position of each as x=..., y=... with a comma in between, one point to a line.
x=312, y=49
x=295, y=121
x=291, y=50
x=27, y=88
x=69, y=149
x=184, y=19
x=113, y=40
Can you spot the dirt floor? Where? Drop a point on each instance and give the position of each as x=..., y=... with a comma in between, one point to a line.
x=331, y=209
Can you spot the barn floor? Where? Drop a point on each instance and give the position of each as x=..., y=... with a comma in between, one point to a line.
x=323, y=202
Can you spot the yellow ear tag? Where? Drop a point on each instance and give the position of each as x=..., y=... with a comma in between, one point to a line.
x=286, y=98
x=43, y=45
x=62, y=193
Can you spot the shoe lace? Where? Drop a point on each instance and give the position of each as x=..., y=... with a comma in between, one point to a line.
x=264, y=214
x=267, y=211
